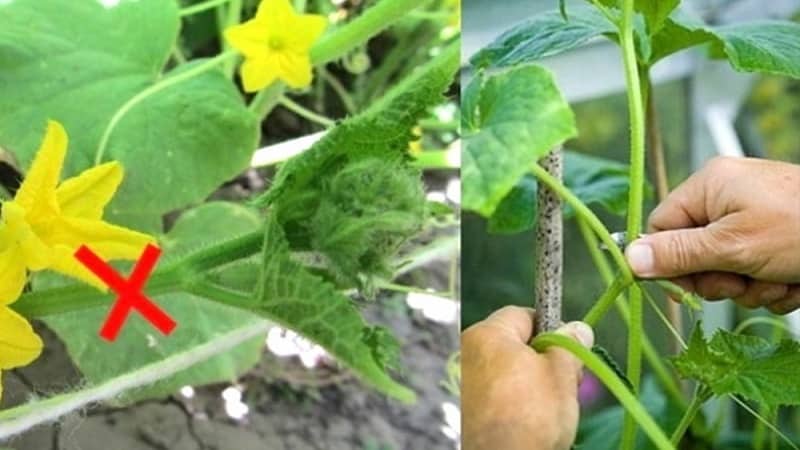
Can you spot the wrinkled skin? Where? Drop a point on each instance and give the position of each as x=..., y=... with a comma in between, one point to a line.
x=732, y=230
x=514, y=398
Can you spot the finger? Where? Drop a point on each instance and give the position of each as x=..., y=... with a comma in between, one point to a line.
x=684, y=207
x=787, y=304
x=686, y=283
x=565, y=363
x=762, y=293
x=670, y=254
x=720, y=285
x=513, y=322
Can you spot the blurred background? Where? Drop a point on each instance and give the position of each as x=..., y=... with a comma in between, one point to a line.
x=705, y=109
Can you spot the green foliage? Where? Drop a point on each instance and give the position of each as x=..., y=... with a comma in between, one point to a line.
x=352, y=197
x=747, y=366
x=519, y=115
x=544, y=35
x=602, y=430
x=655, y=12
x=290, y=295
x=200, y=320
x=79, y=62
x=595, y=181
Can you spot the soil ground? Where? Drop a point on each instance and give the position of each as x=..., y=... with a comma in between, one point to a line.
x=290, y=407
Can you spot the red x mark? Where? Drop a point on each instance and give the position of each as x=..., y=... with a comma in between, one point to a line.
x=129, y=291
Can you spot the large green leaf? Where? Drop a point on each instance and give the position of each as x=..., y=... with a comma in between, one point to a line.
x=198, y=319
x=655, y=12
x=747, y=366
x=595, y=181
x=79, y=62
x=520, y=116
x=290, y=295
x=763, y=46
x=544, y=35
x=353, y=197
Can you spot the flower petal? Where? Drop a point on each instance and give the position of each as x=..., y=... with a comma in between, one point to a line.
x=87, y=194
x=295, y=69
x=250, y=38
x=275, y=11
x=309, y=28
x=258, y=73
x=33, y=252
x=12, y=275
x=108, y=241
x=19, y=345
x=37, y=192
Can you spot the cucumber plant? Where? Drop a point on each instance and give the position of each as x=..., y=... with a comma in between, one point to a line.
x=116, y=75
x=514, y=122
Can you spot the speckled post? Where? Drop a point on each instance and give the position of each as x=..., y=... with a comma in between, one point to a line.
x=549, y=248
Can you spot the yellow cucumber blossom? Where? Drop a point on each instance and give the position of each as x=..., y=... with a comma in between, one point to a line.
x=276, y=44
x=43, y=227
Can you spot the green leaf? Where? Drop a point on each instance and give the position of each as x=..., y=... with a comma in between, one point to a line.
x=78, y=62
x=656, y=12
x=521, y=116
x=291, y=296
x=765, y=46
x=602, y=430
x=679, y=32
x=544, y=35
x=353, y=196
x=199, y=320
x=595, y=181
x=746, y=366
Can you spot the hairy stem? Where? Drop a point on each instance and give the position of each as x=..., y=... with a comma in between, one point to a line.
x=658, y=173
x=338, y=43
x=201, y=7
x=610, y=380
x=663, y=375
x=549, y=248
x=701, y=395
x=635, y=204
x=22, y=418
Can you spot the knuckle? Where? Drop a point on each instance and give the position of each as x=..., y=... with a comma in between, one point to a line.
x=681, y=252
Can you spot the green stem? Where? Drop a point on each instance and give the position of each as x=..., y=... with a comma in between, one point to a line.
x=172, y=277
x=587, y=215
x=200, y=7
x=338, y=43
x=233, y=18
x=701, y=395
x=306, y=113
x=337, y=86
x=266, y=99
x=605, y=302
x=667, y=380
x=151, y=90
x=611, y=381
x=635, y=204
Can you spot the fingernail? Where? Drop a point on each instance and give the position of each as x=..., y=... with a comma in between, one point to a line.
x=582, y=332
x=640, y=257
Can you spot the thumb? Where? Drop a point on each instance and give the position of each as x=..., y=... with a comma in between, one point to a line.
x=669, y=254
x=565, y=363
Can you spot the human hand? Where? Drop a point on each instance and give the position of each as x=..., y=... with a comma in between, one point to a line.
x=513, y=397
x=732, y=230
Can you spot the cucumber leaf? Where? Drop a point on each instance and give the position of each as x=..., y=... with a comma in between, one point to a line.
x=520, y=116
x=544, y=35
x=747, y=366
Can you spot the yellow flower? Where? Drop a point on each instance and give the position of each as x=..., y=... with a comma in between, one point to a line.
x=276, y=44
x=44, y=225
x=46, y=222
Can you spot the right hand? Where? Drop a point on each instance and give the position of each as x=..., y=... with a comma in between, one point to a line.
x=732, y=230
